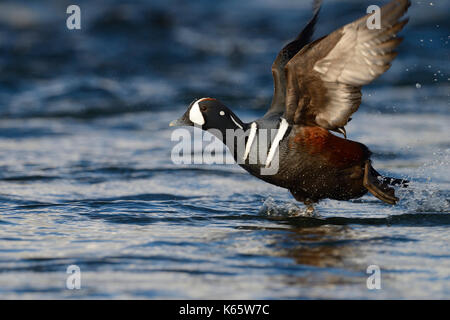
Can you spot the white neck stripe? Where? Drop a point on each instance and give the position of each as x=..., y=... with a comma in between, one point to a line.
x=284, y=125
x=236, y=122
x=251, y=138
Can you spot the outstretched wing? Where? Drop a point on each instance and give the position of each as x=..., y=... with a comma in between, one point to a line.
x=324, y=79
x=290, y=50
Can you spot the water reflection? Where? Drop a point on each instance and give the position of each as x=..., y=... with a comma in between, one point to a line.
x=324, y=246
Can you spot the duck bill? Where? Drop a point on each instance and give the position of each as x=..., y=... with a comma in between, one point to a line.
x=182, y=122
x=177, y=123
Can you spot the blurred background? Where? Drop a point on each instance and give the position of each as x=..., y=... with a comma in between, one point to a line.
x=136, y=56
x=86, y=176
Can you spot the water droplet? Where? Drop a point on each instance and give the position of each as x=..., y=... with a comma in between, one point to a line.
x=418, y=85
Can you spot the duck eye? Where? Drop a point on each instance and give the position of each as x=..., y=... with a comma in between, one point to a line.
x=222, y=113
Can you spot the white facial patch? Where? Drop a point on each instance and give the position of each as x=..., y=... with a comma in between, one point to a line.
x=195, y=115
x=251, y=138
x=284, y=125
x=222, y=113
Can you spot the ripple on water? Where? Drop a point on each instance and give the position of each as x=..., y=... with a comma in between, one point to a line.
x=86, y=176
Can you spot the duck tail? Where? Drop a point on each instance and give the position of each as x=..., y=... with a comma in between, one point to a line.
x=380, y=186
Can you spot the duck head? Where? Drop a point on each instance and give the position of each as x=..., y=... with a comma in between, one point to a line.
x=209, y=113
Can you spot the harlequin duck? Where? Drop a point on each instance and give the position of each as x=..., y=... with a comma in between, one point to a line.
x=317, y=87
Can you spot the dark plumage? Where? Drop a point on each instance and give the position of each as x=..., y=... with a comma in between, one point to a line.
x=317, y=87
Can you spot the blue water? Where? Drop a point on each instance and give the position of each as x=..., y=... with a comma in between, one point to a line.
x=86, y=176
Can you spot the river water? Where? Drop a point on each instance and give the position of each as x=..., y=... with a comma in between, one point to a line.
x=86, y=176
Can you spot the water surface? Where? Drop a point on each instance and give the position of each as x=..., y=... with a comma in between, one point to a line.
x=86, y=176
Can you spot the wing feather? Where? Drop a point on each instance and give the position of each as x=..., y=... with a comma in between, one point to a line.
x=324, y=79
x=283, y=57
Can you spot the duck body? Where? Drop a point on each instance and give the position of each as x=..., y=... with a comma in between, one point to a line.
x=317, y=87
x=313, y=164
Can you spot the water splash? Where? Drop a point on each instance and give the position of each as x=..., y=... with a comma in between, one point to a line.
x=429, y=191
x=425, y=197
x=288, y=209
